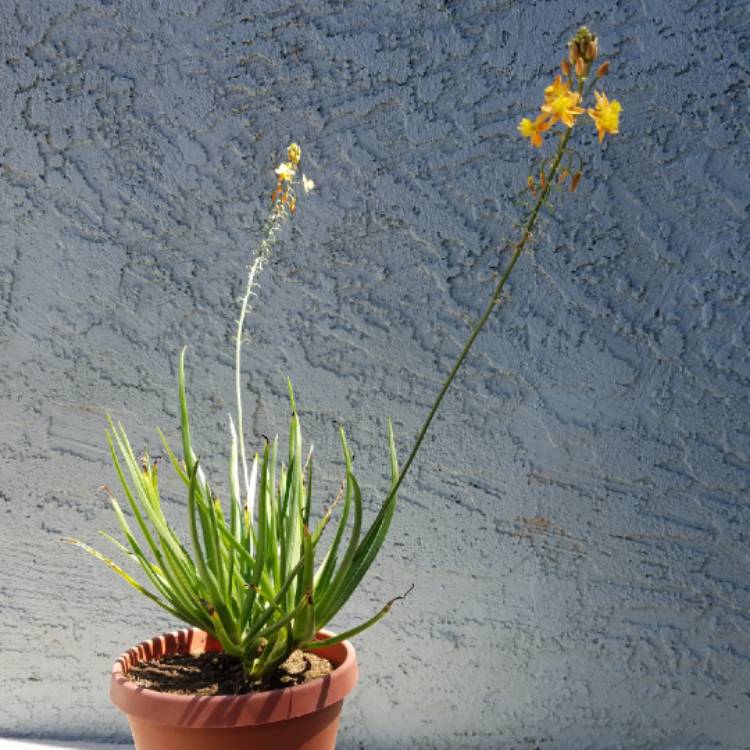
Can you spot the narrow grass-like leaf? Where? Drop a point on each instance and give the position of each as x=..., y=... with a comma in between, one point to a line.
x=366, y=552
x=262, y=544
x=209, y=580
x=287, y=619
x=173, y=459
x=312, y=645
x=304, y=624
x=256, y=626
x=125, y=576
x=187, y=446
x=333, y=640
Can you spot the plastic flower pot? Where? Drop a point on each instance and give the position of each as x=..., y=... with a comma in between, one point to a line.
x=302, y=717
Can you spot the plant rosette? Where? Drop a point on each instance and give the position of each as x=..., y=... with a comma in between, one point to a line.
x=301, y=716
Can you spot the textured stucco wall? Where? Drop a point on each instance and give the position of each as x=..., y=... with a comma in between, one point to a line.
x=609, y=396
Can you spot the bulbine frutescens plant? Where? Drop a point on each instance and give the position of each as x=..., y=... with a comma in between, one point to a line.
x=255, y=577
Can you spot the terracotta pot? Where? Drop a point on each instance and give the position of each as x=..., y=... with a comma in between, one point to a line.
x=302, y=717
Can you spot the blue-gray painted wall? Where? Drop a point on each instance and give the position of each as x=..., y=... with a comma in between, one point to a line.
x=577, y=523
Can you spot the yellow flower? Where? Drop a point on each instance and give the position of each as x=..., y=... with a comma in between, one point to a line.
x=556, y=89
x=561, y=104
x=293, y=153
x=285, y=171
x=606, y=115
x=533, y=130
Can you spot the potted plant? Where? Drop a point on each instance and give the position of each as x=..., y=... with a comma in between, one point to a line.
x=254, y=582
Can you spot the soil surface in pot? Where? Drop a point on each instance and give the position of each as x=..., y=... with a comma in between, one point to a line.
x=217, y=673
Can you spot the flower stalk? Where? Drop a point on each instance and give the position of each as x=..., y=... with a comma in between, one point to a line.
x=520, y=246
x=283, y=205
x=561, y=105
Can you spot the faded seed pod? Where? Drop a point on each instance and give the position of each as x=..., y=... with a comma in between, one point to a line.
x=574, y=182
x=565, y=67
x=603, y=70
x=532, y=186
x=542, y=179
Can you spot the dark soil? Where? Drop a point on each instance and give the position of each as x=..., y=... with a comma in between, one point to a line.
x=219, y=674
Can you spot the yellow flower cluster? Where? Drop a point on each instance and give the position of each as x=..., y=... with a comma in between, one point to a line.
x=562, y=103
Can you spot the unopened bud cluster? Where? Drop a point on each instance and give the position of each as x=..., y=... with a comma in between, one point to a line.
x=583, y=46
x=564, y=97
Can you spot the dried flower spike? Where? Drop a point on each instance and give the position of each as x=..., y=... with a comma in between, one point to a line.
x=294, y=152
x=286, y=171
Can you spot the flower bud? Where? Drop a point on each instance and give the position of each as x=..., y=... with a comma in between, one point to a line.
x=603, y=70
x=592, y=50
x=565, y=67
x=580, y=67
x=584, y=45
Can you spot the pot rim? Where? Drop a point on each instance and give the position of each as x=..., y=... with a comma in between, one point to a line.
x=221, y=711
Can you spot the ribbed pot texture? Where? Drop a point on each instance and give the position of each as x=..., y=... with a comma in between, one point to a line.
x=302, y=717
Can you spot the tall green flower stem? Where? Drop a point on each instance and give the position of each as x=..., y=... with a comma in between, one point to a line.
x=494, y=300
x=275, y=221
x=520, y=246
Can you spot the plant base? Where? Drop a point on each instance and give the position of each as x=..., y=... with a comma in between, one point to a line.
x=302, y=717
